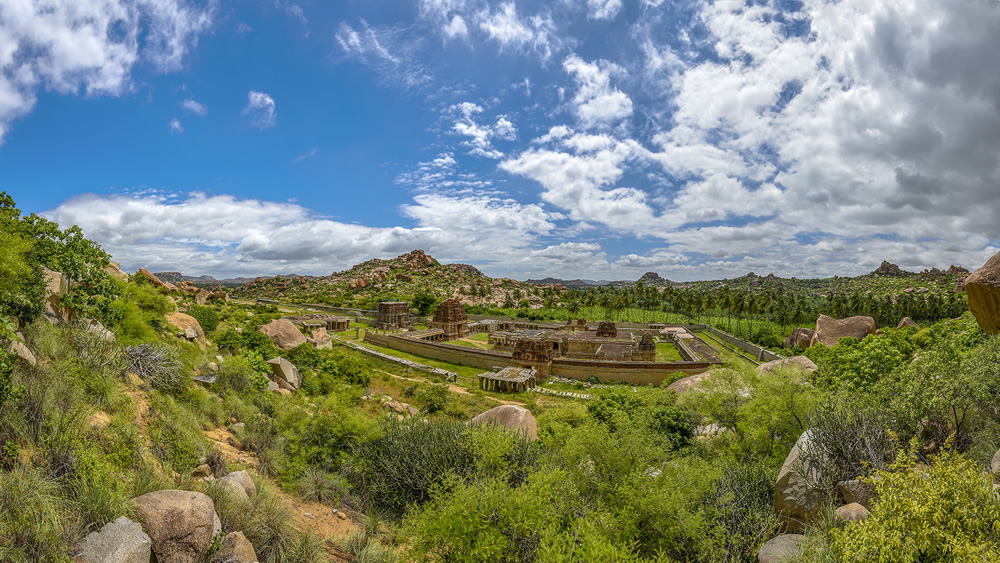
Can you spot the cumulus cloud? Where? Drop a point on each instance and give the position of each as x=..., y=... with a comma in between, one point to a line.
x=194, y=107
x=510, y=30
x=596, y=101
x=603, y=9
x=261, y=110
x=175, y=126
x=479, y=137
x=88, y=45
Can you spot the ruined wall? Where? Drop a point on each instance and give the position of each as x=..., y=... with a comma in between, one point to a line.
x=635, y=373
x=762, y=354
x=461, y=355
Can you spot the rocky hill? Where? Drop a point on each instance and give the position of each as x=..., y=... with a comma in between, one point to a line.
x=397, y=278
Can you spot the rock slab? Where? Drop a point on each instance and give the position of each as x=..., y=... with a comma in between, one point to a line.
x=983, y=289
x=795, y=500
x=801, y=337
x=179, y=523
x=286, y=375
x=121, y=541
x=236, y=548
x=782, y=549
x=830, y=330
x=510, y=416
x=283, y=333
x=185, y=323
x=242, y=478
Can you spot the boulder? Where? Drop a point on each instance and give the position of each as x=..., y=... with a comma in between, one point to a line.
x=829, y=330
x=221, y=296
x=56, y=286
x=97, y=329
x=185, y=322
x=171, y=288
x=995, y=463
x=242, y=478
x=801, y=337
x=234, y=489
x=152, y=278
x=800, y=362
x=17, y=348
x=285, y=373
x=857, y=491
x=203, y=470
x=201, y=297
x=685, y=384
x=236, y=548
x=510, y=416
x=782, y=549
x=795, y=500
x=283, y=333
x=121, y=541
x=853, y=512
x=321, y=340
x=906, y=322
x=983, y=289
x=396, y=406
x=179, y=523
x=114, y=269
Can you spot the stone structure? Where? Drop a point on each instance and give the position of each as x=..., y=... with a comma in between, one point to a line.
x=450, y=317
x=535, y=354
x=606, y=329
x=581, y=324
x=508, y=379
x=647, y=348
x=331, y=323
x=392, y=314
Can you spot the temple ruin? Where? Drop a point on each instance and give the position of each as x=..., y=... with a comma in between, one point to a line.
x=392, y=314
x=511, y=379
x=450, y=317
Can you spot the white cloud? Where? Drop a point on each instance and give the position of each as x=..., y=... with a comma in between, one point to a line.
x=243, y=28
x=510, y=30
x=91, y=45
x=306, y=155
x=603, y=9
x=480, y=137
x=261, y=110
x=194, y=107
x=596, y=102
x=296, y=12
x=455, y=28
x=394, y=52
x=175, y=126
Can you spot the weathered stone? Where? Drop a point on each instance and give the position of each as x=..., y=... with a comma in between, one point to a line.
x=201, y=297
x=242, y=478
x=906, y=322
x=185, y=322
x=114, y=269
x=283, y=333
x=233, y=488
x=510, y=416
x=853, y=512
x=983, y=290
x=121, y=541
x=285, y=373
x=98, y=330
x=800, y=362
x=857, y=491
x=321, y=340
x=995, y=463
x=17, y=348
x=785, y=548
x=687, y=383
x=795, y=500
x=171, y=288
x=830, y=330
x=179, y=523
x=236, y=548
x=202, y=470
x=801, y=337
x=152, y=278
x=56, y=286
x=394, y=406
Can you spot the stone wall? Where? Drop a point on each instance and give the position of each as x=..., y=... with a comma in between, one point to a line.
x=762, y=354
x=461, y=355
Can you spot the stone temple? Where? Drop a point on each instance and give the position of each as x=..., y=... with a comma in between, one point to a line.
x=392, y=314
x=451, y=318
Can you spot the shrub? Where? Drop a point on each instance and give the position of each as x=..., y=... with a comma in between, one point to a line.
x=318, y=485
x=206, y=317
x=158, y=365
x=434, y=397
x=849, y=439
x=944, y=511
x=32, y=516
x=242, y=373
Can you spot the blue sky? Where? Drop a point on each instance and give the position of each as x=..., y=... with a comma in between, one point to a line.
x=575, y=138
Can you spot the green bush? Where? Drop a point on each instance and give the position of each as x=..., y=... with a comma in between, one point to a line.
x=206, y=317
x=434, y=397
x=32, y=517
x=317, y=485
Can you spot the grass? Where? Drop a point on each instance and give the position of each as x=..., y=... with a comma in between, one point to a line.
x=667, y=352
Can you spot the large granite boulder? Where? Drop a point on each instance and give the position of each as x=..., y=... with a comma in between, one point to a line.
x=321, y=339
x=121, y=541
x=829, y=330
x=906, y=322
x=151, y=277
x=242, y=478
x=983, y=290
x=283, y=333
x=687, y=383
x=510, y=416
x=180, y=524
x=857, y=491
x=189, y=326
x=853, y=512
x=785, y=548
x=236, y=548
x=56, y=286
x=801, y=337
x=114, y=269
x=799, y=362
x=286, y=375
x=796, y=500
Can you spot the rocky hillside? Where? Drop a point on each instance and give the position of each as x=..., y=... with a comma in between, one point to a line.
x=397, y=278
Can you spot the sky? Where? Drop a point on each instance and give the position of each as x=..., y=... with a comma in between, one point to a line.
x=571, y=138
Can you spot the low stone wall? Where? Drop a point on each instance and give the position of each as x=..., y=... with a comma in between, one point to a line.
x=442, y=351
x=762, y=354
x=634, y=373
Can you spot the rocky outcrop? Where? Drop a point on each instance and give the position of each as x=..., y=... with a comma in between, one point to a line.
x=852, y=512
x=179, y=523
x=906, y=322
x=785, y=548
x=189, y=326
x=285, y=374
x=151, y=277
x=17, y=348
x=121, y=541
x=796, y=500
x=801, y=337
x=983, y=289
x=114, y=269
x=242, y=478
x=56, y=286
x=235, y=548
x=321, y=339
x=686, y=383
x=510, y=416
x=283, y=333
x=798, y=362
x=887, y=268
x=830, y=330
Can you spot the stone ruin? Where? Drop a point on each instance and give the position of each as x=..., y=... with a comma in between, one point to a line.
x=451, y=318
x=536, y=354
x=647, y=348
x=392, y=314
x=606, y=329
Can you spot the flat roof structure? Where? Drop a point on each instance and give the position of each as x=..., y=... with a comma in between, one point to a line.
x=508, y=379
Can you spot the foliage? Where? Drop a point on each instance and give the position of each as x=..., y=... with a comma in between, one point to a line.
x=423, y=303
x=243, y=372
x=158, y=365
x=32, y=517
x=318, y=485
x=943, y=511
x=434, y=397
x=859, y=364
x=206, y=317
x=140, y=313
